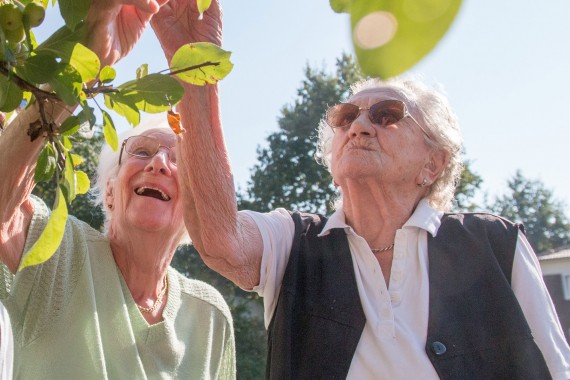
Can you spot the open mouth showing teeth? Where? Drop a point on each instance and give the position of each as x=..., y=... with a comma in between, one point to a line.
x=154, y=193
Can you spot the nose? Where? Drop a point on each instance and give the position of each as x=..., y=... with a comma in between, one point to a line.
x=362, y=126
x=159, y=163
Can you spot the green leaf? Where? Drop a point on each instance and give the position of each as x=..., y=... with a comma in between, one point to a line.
x=68, y=85
x=109, y=131
x=38, y=69
x=68, y=181
x=340, y=6
x=142, y=70
x=86, y=115
x=69, y=126
x=10, y=95
x=51, y=237
x=203, y=6
x=201, y=63
x=66, y=142
x=63, y=44
x=45, y=167
x=392, y=36
x=124, y=106
x=153, y=93
x=85, y=61
x=77, y=160
x=60, y=43
x=73, y=11
x=82, y=182
x=107, y=74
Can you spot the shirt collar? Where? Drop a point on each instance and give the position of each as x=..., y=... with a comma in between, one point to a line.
x=424, y=217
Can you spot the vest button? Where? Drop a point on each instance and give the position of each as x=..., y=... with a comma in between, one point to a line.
x=438, y=348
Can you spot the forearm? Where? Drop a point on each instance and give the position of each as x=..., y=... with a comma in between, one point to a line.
x=206, y=179
x=227, y=242
x=18, y=155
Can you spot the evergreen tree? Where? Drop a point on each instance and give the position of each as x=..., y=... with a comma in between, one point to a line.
x=287, y=174
x=469, y=184
x=531, y=203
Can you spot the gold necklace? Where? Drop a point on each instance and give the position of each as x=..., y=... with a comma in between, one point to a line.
x=158, y=299
x=380, y=250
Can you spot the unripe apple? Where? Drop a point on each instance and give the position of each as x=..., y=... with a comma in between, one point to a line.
x=34, y=15
x=15, y=36
x=10, y=17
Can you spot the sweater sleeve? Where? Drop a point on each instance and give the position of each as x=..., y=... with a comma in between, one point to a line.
x=36, y=295
x=539, y=311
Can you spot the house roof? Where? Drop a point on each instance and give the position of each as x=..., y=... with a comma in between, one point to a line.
x=559, y=253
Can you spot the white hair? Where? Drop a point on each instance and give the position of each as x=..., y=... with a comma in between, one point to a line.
x=431, y=109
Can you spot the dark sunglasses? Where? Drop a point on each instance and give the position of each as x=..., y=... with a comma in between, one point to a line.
x=383, y=113
x=145, y=147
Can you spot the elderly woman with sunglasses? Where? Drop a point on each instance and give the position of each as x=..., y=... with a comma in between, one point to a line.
x=391, y=285
x=109, y=306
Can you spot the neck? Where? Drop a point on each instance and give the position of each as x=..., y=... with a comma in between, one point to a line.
x=375, y=211
x=143, y=260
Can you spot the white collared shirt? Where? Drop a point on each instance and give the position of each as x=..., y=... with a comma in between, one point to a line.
x=392, y=345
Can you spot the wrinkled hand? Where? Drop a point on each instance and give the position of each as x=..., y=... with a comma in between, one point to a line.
x=177, y=24
x=115, y=26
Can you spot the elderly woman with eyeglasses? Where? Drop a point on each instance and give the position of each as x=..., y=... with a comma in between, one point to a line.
x=109, y=306
x=391, y=285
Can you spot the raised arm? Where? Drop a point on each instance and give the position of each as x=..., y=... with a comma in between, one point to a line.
x=114, y=26
x=228, y=242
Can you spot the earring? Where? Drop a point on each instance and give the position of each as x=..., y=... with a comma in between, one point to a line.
x=335, y=184
x=424, y=182
x=110, y=206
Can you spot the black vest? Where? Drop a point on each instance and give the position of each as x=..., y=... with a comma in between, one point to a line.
x=476, y=328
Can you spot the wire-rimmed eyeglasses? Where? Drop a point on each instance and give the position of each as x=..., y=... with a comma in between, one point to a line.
x=145, y=147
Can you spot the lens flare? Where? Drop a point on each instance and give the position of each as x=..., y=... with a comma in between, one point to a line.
x=375, y=29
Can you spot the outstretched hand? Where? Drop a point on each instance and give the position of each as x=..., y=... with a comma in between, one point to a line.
x=177, y=24
x=115, y=26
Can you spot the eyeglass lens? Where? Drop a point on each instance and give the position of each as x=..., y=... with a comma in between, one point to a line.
x=146, y=147
x=383, y=113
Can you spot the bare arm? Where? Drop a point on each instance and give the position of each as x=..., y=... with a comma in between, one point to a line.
x=228, y=242
x=17, y=164
x=114, y=26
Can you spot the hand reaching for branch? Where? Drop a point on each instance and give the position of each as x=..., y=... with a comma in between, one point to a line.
x=177, y=24
x=115, y=26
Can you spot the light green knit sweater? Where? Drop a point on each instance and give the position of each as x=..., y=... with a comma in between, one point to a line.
x=74, y=318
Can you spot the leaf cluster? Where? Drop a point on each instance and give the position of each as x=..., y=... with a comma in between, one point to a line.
x=64, y=71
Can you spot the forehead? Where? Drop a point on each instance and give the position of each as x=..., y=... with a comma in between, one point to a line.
x=162, y=135
x=375, y=94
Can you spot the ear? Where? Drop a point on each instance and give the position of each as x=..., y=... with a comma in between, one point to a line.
x=109, y=195
x=437, y=162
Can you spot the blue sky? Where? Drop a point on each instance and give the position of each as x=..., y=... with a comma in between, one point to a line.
x=504, y=64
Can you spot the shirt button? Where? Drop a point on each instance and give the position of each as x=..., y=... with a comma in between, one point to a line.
x=395, y=297
x=397, y=276
x=438, y=348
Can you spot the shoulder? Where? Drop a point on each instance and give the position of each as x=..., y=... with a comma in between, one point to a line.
x=480, y=220
x=75, y=228
x=202, y=292
x=305, y=221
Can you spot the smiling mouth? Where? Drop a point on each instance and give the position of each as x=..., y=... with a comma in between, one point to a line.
x=153, y=193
